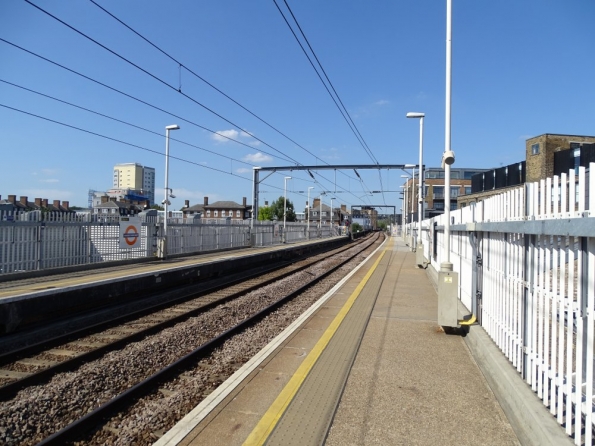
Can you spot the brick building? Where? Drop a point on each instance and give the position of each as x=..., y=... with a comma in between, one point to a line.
x=545, y=156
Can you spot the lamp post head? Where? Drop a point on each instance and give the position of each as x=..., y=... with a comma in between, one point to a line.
x=288, y=178
x=415, y=115
x=172, y=127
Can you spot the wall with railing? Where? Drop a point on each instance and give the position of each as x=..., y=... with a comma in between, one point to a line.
x=35, y=241
x=526, y=264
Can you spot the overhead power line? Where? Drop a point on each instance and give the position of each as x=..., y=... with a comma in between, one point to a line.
x=342, y=109
x=123, y=122
x=189, y=70
x=157, y=78
x=137, y=99
x=166, y=84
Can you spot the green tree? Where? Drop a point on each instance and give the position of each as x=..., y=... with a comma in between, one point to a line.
x=265, y=213
x=277, y=208
x=355, y=227
x=157, y=207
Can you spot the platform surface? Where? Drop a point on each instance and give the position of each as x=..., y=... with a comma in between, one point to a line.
x=369, y=366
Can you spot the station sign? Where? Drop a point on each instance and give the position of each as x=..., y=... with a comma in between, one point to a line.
x=130, y=231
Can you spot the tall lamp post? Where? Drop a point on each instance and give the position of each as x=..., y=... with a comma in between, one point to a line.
x=420, y=207
x=404, y=219
x=163, y=253
x=285, y=207
x=332, y=213
x=448, y=279
x=309, y=207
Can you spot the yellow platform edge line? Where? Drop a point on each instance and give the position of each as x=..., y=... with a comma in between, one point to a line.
x=269, y=420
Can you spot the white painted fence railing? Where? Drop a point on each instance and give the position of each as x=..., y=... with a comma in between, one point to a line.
x=32, y=241
x=526, y=264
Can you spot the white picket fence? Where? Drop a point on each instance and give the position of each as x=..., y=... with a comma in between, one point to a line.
x=35, y=241
x=526, y=264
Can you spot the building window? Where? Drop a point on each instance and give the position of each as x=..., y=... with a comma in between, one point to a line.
x=535, y=149
x=222, y=213
x=438, y=191
x=238, y=214
x=453, y=205
x=435, y=174
x=454, y=192
x=215, y=214
x=439, y=206
x=208, y=213
x=467, y=190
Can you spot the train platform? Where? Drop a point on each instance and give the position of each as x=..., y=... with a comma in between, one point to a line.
x=30, y=297
x=368, y=364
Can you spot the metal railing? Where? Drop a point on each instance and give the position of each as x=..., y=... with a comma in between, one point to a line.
x=526, y=264
x=35, y=241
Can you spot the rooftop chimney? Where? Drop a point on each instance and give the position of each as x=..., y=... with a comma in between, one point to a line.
x=65, y=204
x=23, y=200
x=244, y=201
x=12, y=198
x=206, y=201
x=186, y=203
x=44, y=202
x=38, y=201
x=57, y=204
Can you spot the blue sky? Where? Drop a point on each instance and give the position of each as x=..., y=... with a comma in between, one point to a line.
x=520, y=69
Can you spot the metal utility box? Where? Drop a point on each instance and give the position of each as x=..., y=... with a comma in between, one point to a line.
x=419, y=256
x=448, y=284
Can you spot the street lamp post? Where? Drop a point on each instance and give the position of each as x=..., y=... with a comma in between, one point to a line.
x=309, y=207
x=332, y=214
x=285, y=207
x=321, y=194
x=448, y=279
x=163, y=253
x=404, y=219
x=420, y=207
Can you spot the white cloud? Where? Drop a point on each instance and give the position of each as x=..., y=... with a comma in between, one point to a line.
x=242, y=170
x=381, y=102
x=50, y=180
x=258, y=158
x=223, y=135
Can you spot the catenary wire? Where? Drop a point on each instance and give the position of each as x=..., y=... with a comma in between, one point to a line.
x=161, y=81
x=141, y=101
x=324, y=84
x=362, y=140
x=137, y=99
x=157, y=78
x=182, y=65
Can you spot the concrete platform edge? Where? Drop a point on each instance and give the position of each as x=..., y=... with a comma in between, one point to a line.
x=532, y=422
x=181, y=429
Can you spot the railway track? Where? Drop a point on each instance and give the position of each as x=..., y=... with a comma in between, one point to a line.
x=221, y=316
